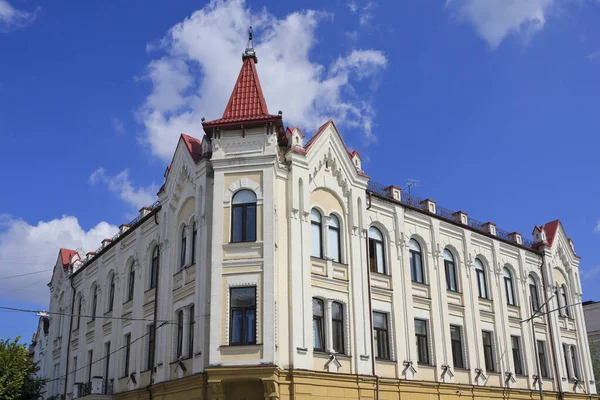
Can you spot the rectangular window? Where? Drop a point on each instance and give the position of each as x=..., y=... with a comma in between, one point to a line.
x=488, y=351
x=106, y=361
x=516, y=354
x=318, y=324
x=179, y=350
x=381, y=336
x=127, y=354
x=90, y=361
x=481, y=284
x=337, y=327
x=191, y=332
x=243, y=315
x=150, y=349
x=450, y=276
x=74, y=370
x=566, y=357
x=457, y=347
x=541, y=348
x=316, y=244
x=422, y=344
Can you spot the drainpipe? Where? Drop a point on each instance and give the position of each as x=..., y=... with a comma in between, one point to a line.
x=69, y=340
x=371, y=314
x=550, y=330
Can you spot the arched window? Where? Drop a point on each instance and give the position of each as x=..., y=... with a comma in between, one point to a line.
x=243, y=217
x=94, y=303
x=533, y=292
x=194, y=238
x=335, y=244
x=111, y=293
x=376, y=254
x=450, y=266
x=316, y=249
x=564, y=300
x=508, y=287
x=183, y=247
x=337, y=327
x=154, y=267
x=318, y=324
x=131, y=286
x=179, y=333
x=416, y=262
x=481, y=279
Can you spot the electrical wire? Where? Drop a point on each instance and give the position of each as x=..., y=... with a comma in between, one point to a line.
x=28, y=273
x=108, y=355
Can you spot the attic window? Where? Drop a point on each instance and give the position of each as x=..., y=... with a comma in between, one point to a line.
x=297, y=140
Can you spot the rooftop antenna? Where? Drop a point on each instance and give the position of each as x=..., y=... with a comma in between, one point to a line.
x=250, y=46
x=411, y=183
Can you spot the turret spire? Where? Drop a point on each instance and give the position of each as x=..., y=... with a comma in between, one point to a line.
x=250, y=47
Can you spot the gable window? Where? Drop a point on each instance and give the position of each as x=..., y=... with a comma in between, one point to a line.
x=131, y=286
x=376, y=255
x=337, y=327
x=481, y=279
x=194, y=239
x=127, y=354
x=381, y=335
x=541, y=348
x=183, y=247
x=450, y=266
x=335, y=244
x=243, y=217
x=94, y=303
x=508, y=287
x=563, y=301
x=111, y=293
x=488, y=351
x=516, y=354
x=533, y=292
x=318, y=324
x=243, y=315
x=421, y=337
x=154, y=267
x=416, y=262
x=457, y=347
x=316, y=219
x=179, y=334
x=191, y=332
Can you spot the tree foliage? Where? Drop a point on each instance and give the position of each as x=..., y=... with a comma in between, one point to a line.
x=17, y=373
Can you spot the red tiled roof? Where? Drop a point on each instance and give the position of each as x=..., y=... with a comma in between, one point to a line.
x=65, y=256
x=247, y=102
x=194, y=146
x=551, y=228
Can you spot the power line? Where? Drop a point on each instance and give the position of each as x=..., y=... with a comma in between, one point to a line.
x=28, y=273
x=23, y=287
x=106, y=356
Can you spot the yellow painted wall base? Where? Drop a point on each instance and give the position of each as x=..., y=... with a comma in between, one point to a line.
x=270, y=383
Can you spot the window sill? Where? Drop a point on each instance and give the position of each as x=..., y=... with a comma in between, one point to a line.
x=127, y=303
x=149, y=290
x=326, y=354
x=513, y=306
x=381, y=274
x=385, y=360
x=453, y=291
x=225, y=346
x=420, y=284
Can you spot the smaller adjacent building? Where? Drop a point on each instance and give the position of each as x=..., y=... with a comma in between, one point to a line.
x=591, y=312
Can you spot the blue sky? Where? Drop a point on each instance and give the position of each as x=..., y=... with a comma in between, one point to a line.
x=491, y=105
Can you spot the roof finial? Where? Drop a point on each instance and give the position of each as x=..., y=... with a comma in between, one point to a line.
x=250, y=53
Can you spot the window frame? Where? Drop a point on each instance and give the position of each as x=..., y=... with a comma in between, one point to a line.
x=516, y=354
x=451, y=272
x=564, y=312
x=154, y=266
x=79, y=309
x=151, y=330
x=413, y=268
x=574, y=362
x=542, y=358
x=533, y=290
x=106, y=360
x=179, y=336
x=338, y=232
x=422, y=340
x=337, y=335
x=94, y=303
x=131, y=282
x=481, y=277
x=374, y=242
x=183, y=247
x=488, y=350
x=319, y=226
x=456, y=345
x=319, y=324
x=244, y=310
x=194, y=239
x=244, y=223
x=192, y=324
x=127, y=354
x=382, y=337
x=509, y=287
x=111, y=293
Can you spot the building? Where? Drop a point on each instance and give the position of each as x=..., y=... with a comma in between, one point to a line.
x=591, y=311
x=271, y=268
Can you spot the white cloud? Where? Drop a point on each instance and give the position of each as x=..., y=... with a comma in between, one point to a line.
x=353, y=7
x=366, y=14
x=201, y=57
x=594, y=55
x=121, y=185
x=10, y=17
x=597, y=227
x=28, y=248
x=494, y=20
x=590, y=274
x=118, y=125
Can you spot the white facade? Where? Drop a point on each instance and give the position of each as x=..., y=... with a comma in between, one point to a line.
x=289, y=180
